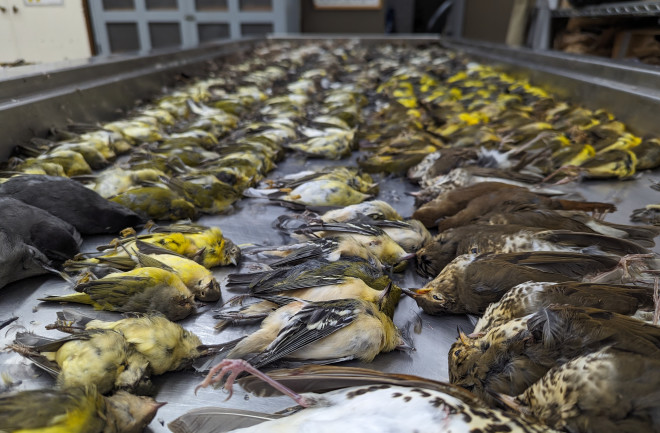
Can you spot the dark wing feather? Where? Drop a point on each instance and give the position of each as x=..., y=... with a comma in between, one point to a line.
x=573, y=265
x=313, y=250
x=604, y=243
x=312, y=323
x=321, y=379
x=146, y=248
x=620, y=299
x=356, y=228
x=217, y=420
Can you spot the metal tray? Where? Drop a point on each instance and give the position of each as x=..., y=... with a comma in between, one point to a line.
x=251, y=223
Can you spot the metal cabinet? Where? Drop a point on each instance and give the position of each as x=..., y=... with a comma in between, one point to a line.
x=142, y=25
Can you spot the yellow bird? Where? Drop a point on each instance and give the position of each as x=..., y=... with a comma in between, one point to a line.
x=205, y=245
x=87, y=358
x=140, y=290
x=165, y=345
x=75, y=410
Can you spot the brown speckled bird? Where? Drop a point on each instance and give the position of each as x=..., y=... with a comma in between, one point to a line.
x=471, y=281
x=511, y=238
x=347, y=399
x=504, y=201
x=575, y=221
x=453, y=201
x=609, y=391
x=511, y=357
x=529, y=297
x=464, y=205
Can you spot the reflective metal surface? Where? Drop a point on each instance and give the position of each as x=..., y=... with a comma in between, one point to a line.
x=251, y=223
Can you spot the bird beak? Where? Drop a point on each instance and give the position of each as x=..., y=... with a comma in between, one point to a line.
x=198, y=257
x=158, y=404
x=409, y=293
x=407, y=257
x=476, y=335
x=405, y=346
x=464, y=338
x=509, y=401
x=234, y=261
x=385, y=293
x=413, y=293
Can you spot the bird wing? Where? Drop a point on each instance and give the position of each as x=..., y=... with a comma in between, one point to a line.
x=322, y=378
x=604, y=243
x=313, y=250
x=176, y=228
x=114, y=291
x=616, y=298
x=355, y=228
x=218, y=420
x=573, y=265
x=575, y=329
x=298, y=282
x=313, y=322
x=147, y=248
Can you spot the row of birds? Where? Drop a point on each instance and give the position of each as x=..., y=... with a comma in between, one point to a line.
x=330, y=297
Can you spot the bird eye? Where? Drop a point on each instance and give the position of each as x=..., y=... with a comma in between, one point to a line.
x=457, y=353
x=436, y=297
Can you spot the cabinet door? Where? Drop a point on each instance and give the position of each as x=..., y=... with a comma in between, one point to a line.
x=50, y=30
x=8, y=49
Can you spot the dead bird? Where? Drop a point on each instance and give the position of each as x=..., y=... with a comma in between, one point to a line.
x=56, y=238
x=391, y=401
x=576, y=221
x=502, y=201
x=472, y=281
x=529, y=297
x=606, y=391
x=70, y=201
x=19, y=260
x=511, y=238
x=511, y=357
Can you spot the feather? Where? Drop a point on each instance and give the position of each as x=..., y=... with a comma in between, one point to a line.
x=217, y=420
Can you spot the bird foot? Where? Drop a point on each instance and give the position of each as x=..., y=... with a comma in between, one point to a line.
x=234, y=367
x=625, y=265
x=571, y=172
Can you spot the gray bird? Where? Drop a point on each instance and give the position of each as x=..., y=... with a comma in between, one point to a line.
x=81, y=207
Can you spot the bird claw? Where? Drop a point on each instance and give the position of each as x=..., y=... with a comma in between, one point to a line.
x=234, y=367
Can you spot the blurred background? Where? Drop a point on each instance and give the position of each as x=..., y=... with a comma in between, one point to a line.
x=37, y=31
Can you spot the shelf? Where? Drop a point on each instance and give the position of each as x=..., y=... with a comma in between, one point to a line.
x=631, y=9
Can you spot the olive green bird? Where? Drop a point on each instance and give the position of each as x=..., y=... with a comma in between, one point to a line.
x=198, y=279
x=141, y=290
x=155, y=202
x=207, y=193
x=75, y=410
x=163, y=344
x=313, y=280
x=94, y=357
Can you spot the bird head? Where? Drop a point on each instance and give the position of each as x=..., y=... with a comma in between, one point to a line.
x=462, y=356
x=232, y=252
x=432, y=259
x=181, y=307
x=434, y=300
x=129, y=413
x=208, y=289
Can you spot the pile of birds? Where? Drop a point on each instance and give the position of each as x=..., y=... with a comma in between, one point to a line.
x=566, y=301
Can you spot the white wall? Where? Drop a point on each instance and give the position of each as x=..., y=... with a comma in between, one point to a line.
x=50, y=31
